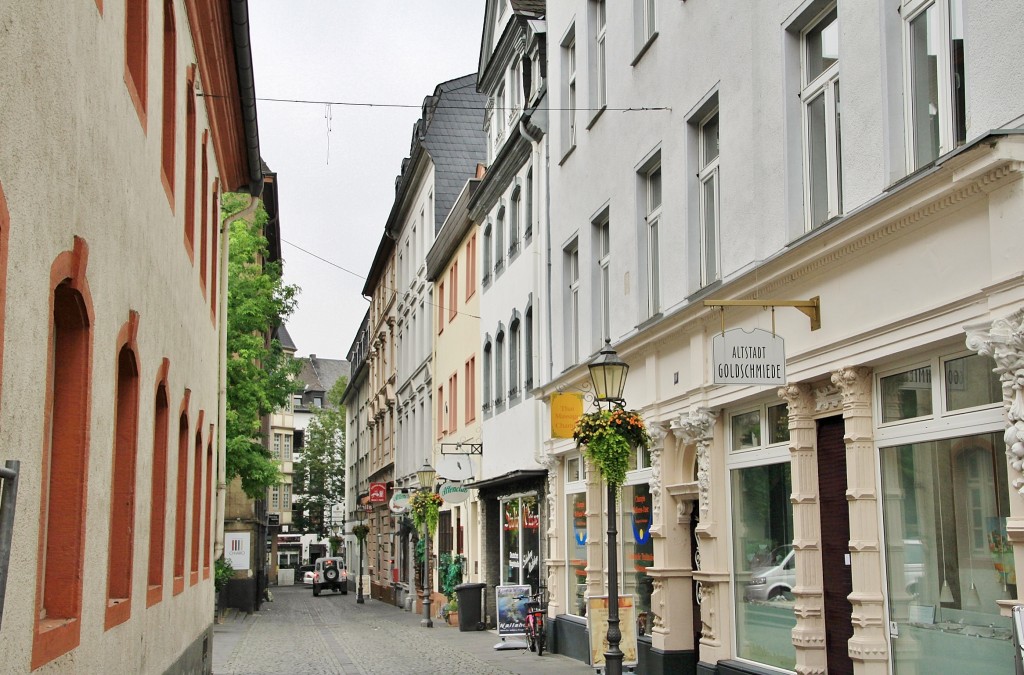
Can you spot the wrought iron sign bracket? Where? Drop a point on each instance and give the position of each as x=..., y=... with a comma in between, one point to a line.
x=812, y=308
x=462, y=448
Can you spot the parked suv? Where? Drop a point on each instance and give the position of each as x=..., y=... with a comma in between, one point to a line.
x=330, y=573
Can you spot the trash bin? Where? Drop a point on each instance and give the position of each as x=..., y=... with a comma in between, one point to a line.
x=470, y=600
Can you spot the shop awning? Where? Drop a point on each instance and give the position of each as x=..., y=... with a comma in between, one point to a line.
x=510, y=477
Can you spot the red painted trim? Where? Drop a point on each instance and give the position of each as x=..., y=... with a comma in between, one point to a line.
x=99, y=6
x=5, y=225
x=137, y=49
x=181, y=496
x=190, y=164
x=168, y=132
x=61, y=548
x=120, y=550
x=204, y=218
x=197, y=495
x=214, y=250
x=207, y=521
x=158, y=492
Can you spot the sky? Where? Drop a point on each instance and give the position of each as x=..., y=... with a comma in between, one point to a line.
x=336, y=175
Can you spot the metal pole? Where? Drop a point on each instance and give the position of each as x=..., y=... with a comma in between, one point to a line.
x=359, y=586
x=427, y=621
x=8, y=500
x=613, y=657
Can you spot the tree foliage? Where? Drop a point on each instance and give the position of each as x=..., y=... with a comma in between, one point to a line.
x=259, y=373
x=320, y=474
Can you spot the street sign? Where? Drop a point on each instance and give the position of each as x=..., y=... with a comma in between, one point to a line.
x=378, y=493
x=755, y=357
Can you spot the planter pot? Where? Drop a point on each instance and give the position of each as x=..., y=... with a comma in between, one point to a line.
x=453, y=618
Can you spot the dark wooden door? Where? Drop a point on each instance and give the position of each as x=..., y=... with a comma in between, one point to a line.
x=697, y=625
x=835, y=544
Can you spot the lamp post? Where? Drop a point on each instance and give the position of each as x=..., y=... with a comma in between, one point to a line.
x=608, y=373
x=426, y=475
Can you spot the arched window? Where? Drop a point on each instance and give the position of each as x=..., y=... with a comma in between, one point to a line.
x=487, y=375
x=528, y=211
x=499, y=241
x=513, y=222
x=122, y=504
x=170, y=102
x=488, y=252
x=158, y=492
x=65, y=454
x=513, y=359
x=181, y=498
x=528, y=350
x=190, y=164
x=209, y=505
x=197, y=504
x=499, y=367
x=136, y=47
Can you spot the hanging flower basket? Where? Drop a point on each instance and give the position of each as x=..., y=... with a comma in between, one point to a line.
x=609, y=437
x=361, y=531
x=424, y=506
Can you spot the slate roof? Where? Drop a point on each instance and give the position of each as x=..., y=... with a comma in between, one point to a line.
x=320, y=374
x=451, y=133
x=528, y=7
x=285, y=338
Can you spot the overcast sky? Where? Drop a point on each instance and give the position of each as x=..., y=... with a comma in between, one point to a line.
x=336, y=189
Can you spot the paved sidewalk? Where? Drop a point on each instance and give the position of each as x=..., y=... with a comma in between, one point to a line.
x=331, y=635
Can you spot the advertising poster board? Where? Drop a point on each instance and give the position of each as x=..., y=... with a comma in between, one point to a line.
x=236, y=549
x=597, y=620
x=511, y=604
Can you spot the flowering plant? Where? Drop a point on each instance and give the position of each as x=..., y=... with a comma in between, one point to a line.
x=425, y=505
x=361, y=531
x=609, y=437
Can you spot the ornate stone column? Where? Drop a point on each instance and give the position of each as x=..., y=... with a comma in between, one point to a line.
x=809, y=632
x=868, y=647
x=671, y=602
x=555, y=503
x=595, y=529
x=1004, y=342
x=711, y=575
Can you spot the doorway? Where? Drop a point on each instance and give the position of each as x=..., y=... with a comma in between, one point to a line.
x=837, y=577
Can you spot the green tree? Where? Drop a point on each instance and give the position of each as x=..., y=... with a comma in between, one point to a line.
x=320, y=474
x=259, y=373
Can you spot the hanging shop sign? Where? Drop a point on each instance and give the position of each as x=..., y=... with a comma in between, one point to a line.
x=378, y=493
x=565, y=411
x=453, y=493
x=754, y=357
x=399, y=502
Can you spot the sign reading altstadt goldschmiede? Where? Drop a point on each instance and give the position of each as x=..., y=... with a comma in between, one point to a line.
x=754, y=357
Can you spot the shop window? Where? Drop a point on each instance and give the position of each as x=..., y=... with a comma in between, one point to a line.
x=970, y=382
x=948, y=558
x=520, y=542
x=576, y=555
x=907, y=395
x=638, y=552
x=764, y=564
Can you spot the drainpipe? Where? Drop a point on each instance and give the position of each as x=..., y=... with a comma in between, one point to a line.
x=222, y=389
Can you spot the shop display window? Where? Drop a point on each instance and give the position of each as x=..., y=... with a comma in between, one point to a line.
x=576, y=527
x=520, y=541
x=638, y=552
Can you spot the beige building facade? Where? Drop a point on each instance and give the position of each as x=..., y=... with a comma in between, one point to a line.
x=113, y=278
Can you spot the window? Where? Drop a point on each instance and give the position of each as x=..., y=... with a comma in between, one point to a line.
x=572, y=304
x=471, y=389
x=487, y=255
x=602, y=250
x=968, y=383
x=66, y=425
x=275, y=498
x=209, y=506
x=204, y=233
x=453, y=403
x=442, y=421
x=599, y=58
x=645, y=25
x=286, y=497
x=122, y=503
x=638, y=551
x=136, y=46
x=820, y=96
x=277, y=446
x=710, y=267
x=286, y=452
x=499, y=367
x=514, y=79
x=513, y=223
x=190, y=168
x=158, y=499
x=569, y=91
x=513, y=360
x=453, y=294
x=214, y=247
x=652, y=220
x=936, y=78
x=197, y=499
x=499, y=115
x=181, y=500
x=576, y=544
x=440, y=308
x=763, y=426
x=471, y=267
x=170, y=89
x=528, y=226
x=528, y=350
x=487, y=376
x=499, y=242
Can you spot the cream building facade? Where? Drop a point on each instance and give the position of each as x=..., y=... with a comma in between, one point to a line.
x=112, y=305
x=865, y=516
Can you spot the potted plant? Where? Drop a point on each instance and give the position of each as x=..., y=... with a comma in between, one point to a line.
x=425, y=506
x=360, y=531
x=451, y=611
x=608, y=437
x=222, y=573
x=449, y=576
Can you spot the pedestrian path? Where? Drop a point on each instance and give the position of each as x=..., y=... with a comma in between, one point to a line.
x=333, y=635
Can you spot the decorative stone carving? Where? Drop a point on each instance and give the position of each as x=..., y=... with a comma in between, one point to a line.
x=826, y=398
x=658, y=603
x=551, y=464
x=697, y=427
x=706, y=599
x=657, y=432
x=1004, y=342
x=853, y=385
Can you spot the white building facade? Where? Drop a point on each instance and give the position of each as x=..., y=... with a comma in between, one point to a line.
x=864, y=517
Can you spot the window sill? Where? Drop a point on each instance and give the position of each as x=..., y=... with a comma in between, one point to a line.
x=643, y=48
x=566, y=155
x=596, y=116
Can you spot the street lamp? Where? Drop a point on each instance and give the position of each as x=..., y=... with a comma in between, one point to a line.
x=426, y=475
x=608, y=373
x=359, y=582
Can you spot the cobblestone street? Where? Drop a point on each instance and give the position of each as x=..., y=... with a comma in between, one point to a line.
x=298, y=633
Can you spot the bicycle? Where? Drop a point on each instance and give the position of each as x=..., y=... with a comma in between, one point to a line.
x=536, y=637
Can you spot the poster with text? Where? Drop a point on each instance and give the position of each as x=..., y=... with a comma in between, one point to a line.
x=512, y=609
x=597, y=619
x=236, y=549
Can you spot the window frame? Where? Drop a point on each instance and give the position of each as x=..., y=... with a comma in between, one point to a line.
x=652, y=223
x=708, y=173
